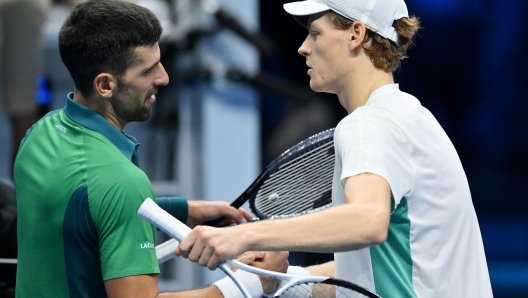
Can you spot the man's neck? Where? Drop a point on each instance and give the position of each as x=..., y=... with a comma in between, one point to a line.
x=362, y=82
x=99, y=105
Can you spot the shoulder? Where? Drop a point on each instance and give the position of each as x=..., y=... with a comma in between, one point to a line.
x=120, y=173
x=386, y=111
x=369, y=120
x=118, y=189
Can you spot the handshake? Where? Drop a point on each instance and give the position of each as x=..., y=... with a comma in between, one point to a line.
x=252, y=274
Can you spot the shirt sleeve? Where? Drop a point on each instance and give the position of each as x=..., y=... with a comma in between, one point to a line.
x=175, y=206
x=371, y=142
x=126, y=242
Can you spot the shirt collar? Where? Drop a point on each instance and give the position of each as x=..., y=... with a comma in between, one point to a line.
x=92, y=120
x=385, y=89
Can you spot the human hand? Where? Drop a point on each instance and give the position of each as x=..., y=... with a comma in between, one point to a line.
x=204, y=211
x=255, y=284
x=210, y=246
x=273, y=261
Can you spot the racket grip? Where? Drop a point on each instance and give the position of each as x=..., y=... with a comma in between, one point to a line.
x=165, y=251
x=153, y=213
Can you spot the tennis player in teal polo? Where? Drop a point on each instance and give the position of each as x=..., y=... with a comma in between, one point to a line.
x=77, y=176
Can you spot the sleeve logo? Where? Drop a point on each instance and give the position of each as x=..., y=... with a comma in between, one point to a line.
x=145, y=246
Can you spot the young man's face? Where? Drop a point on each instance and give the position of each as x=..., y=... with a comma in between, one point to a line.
x=134, y=97
x=325, y=49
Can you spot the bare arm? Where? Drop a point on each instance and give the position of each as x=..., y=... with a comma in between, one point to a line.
x=325, y=269
x=145, y=286
x=360, y=223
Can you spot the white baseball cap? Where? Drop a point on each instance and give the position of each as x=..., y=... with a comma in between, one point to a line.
x=377, y=15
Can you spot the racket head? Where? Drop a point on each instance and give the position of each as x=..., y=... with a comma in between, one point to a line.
x=297, y=182
x=327, y=288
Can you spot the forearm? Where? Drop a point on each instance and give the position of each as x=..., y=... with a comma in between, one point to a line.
x=141, y=286
x=210, y=291
x=342, y=228
x=326, y=269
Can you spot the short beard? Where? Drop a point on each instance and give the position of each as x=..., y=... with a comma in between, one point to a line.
x=125, y=109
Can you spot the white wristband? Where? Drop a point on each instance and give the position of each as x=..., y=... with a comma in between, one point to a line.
x=296, y=270
x=250, y=281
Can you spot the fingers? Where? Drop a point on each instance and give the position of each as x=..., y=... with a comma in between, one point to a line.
x=274, y=261
x=210, y=246
x=200, y=246
x=177, y=252
x=202, y=212
x=246, y=259
x=205, y=256
x=254, y=255
x=247, y=216
x=238, y=215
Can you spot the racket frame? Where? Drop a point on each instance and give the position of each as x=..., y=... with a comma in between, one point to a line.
x=250, y=193
x=288, y=155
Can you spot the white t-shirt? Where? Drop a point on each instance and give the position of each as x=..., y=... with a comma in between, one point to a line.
x=434, y=247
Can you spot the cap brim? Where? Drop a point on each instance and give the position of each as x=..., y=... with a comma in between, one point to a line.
x=304, y=8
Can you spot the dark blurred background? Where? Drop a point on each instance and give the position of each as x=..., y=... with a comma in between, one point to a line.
x=469, y=68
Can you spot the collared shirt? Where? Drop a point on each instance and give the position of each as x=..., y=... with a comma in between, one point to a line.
x=88, y=118
x=78, y=189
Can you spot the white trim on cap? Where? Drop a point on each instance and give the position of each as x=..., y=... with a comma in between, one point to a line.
x=304, y=8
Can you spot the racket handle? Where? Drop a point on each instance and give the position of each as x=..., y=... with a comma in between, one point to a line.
x=165, y=251
x=151, y=212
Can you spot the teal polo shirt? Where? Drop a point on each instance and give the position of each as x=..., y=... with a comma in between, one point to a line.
x=78, y=187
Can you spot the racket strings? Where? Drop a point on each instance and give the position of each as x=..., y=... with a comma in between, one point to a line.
x=289, y=199
x=298, y=184
x=321, y=290
x=307, y=161
x=297, y=194
x=309, y=155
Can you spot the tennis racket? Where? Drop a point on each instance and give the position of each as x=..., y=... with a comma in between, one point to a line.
x=291, y=285
x=297, y=182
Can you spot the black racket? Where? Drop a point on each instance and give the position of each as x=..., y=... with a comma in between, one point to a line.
x=297, y=182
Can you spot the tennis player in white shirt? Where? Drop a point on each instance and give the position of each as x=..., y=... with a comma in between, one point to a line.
x=403, y=224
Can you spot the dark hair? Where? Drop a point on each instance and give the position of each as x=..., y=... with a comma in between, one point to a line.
x=101, y=36
x=384, y=53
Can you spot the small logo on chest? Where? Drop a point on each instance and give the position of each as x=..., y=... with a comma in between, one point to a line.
x=60, y=127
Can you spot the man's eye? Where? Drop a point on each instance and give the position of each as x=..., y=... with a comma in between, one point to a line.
x=148, y=71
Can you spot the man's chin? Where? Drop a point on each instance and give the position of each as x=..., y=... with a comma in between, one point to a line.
x=144, y=115
x=315, y=87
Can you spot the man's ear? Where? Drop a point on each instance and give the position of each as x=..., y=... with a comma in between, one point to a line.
x=105, y=84
x=358, y=33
